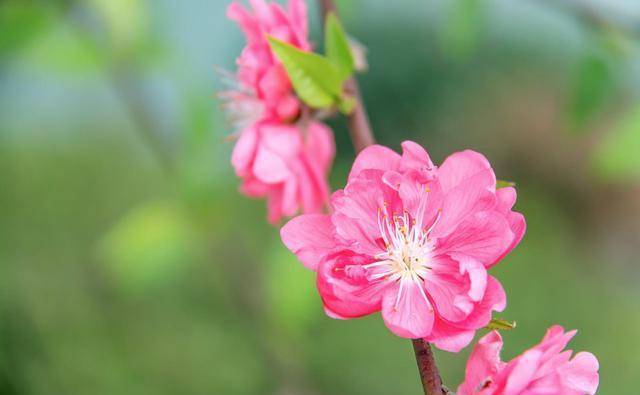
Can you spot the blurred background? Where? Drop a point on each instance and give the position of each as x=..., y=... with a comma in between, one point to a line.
x=129, y=264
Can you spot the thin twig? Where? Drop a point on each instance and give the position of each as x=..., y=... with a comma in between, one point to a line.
x=429, y=375
x=362, y=136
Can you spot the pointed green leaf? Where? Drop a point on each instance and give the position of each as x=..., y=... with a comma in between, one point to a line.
x=500, y=324
x=504, y=184
x=337, y=47
x=315, y=79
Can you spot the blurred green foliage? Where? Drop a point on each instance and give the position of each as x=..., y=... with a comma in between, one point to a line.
x=130, y=264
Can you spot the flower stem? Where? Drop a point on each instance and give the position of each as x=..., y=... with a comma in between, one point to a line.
x=362, y=136
x=358, y=121
x=431, y=382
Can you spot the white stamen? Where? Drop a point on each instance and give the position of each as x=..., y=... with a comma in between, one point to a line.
x=408, y=249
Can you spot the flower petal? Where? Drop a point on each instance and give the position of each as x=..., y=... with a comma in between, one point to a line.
x=310, y=237
x=581, y=373
x=483, y=237
x=461, y=166
x=245, y=151
x=415, y=157
x=320, y=145
x=406, y=310
x=483, y=363
x=344, y=287
x=374, y=157
x=464, y=200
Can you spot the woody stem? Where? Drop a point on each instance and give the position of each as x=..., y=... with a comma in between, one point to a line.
x=362, y=136
x=429, y=376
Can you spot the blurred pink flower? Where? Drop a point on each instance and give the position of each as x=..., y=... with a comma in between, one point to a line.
x=261, y=88
x=414, y=241
x=279, y=155
x=286, y=164
x=542, y=370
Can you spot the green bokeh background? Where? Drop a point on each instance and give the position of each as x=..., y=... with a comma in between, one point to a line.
x=129, y=264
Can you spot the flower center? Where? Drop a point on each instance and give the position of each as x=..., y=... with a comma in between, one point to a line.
x=408, y=248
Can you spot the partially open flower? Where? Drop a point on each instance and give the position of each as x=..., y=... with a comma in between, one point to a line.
x=413, y=241
x=261, y=88
x=544, y=369
x=286, y=164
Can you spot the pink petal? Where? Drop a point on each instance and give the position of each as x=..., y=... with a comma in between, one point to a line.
x=290, y=197
x=483, y=363
x=320, y=145
x=344, y=287
x=521, y=372
x=483, y=237
x=236, y=12
x=506, y=197
x=450, y=339
x=288, y=107
x=253, y=187
x=279, y=145
x=374, y=157
x=462, y=166
x=298, y=14
x=274, y=84
x=464, y=200
x=310, y=237
x=406, y=311
x=358, y=207
x=581, y=374
x=274, y=203
x=244, y=151
x=494, y=299
x=314, y=190
x=448, y=289
x=477, y=278
x=269, y=167
x=414, y=157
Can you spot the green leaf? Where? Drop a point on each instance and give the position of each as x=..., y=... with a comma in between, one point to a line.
x=500, y=324
x=618, y=156
x=337, y=47
x=504, y=184
x=315, y=79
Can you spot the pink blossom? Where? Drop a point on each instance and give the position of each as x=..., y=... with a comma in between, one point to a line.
x=286, y=164
x=413, y=241
x=261, y=88
x=280, y=155
x=542, y=370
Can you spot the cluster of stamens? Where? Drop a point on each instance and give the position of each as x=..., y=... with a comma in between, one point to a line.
x=408, y=249
x=239, y=103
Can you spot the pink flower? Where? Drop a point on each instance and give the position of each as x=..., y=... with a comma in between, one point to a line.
x=280, y=155
x=413, y=241
x=261, y=89
x=542, y=370
x=286, y=164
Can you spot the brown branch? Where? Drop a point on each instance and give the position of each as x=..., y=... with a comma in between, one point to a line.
x=359, y=127
x=431, y=382
x=362, y=136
